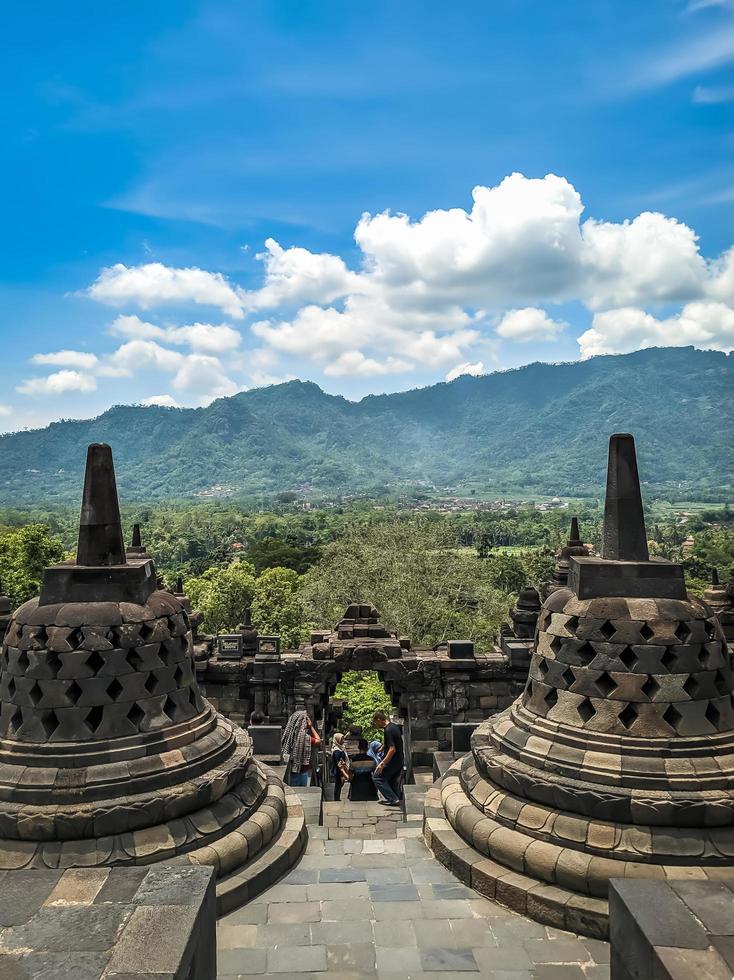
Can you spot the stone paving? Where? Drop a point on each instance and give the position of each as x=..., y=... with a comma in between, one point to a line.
x=386, y=909
x=358, y=821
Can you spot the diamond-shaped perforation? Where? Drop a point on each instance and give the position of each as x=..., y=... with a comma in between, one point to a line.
x=572, y=624
x=556, y=644
x=568, y=677
x=683, y=632
x=151, y=683
x=171, y=708
x=672, y=716
x=605, y=684
x=95, y=662
x=53, y=662
x=669, y=660
x=542, y=670
x=16, y=720
x=720, y=682
x=146, y=632
x=651, y=687
x=23, y=661
x=586, y=710
x=134, y=659
x=646, y=632
x=35, y=694
x=607, y=630
x=115, y=689
x=629, y=658
x=49, y=722
x=73, y=692
x=136, y=715
x=713, y=715
x=11, y=686
x=691, y=686
x=75, y=638
x=628, y=716
x=551, y=697
x=586, y=652
x=178, y=674
x=94, y=718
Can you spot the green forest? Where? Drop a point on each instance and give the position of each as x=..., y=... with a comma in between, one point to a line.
x=431, y=574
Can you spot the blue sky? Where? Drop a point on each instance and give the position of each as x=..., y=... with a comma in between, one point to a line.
x=150, y=151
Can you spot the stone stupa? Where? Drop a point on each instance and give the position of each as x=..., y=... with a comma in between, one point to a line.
x=618, y=758
x=108, y=753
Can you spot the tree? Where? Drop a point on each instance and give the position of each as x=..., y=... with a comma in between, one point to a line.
x=24, y=553
x=276, y=605
x=364, y=693
x=222, y=595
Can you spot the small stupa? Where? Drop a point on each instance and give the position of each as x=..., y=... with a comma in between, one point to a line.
x=109, y=755
x=574, y=546
x=618, y=759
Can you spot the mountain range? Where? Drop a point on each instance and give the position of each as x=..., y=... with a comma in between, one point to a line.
x=538, y=429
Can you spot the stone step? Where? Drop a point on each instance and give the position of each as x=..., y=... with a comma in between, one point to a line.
x=549, y=904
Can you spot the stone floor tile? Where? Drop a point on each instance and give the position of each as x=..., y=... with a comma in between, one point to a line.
x=556, y=950
x=387, y=876
x=247, y=915
x=373, y=847
x=398, y=960
x=434, y=932
x=558, y=971
x=302, y=876
x=487, y=909
x=472, y=932
x=394, y=846
x=231, y=935
x=280, y=912
x=338, y=891
x=333, y=847
x=446, y=909
x=332, y=875
x=385, y=911
x=517, y=929
x=352, y=909
x=395, y=933
x=290, y=959
x=342, y=932
x=393, y=893
x=283, y=893
x=430, y=872
x=452, y=891
x=321, y=861
x=510, y=957
x=241, y=961
x=454, y=960
x=598, y=949
x=283, y=934
x=351, y=956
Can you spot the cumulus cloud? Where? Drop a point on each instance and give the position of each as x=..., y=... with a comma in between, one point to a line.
x=466, y=368
x=215, y=338
x=163, y=401
x=204, y=376
x=154, y=284
x=68, y=358
x=527, y=324
x=353, y=362
x=58, y=383
x=295, y=276
x=702, y=324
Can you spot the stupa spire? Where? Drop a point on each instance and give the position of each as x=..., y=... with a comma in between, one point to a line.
x=624, y=537
x=136, y=539
x=100, y=530
x=574, y=537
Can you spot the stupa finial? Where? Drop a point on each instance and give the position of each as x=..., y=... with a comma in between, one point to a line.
x=625, y=537
x=714, y=576
x=100, y=530
x=574, y=536
x=137, y=541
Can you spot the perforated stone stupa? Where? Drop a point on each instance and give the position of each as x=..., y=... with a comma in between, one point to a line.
x=108, y=752
x=618, y=758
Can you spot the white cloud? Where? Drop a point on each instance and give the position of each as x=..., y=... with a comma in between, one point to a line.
x=204, y=376
x=68, y=358
x=702, y=324
x=5, y=410
x=132, y=326
x=164, y=401
x=297, y=276
x=527, y=324
x=694, y=54
x=141, y=355
x=58, y=383
x=353, y=362
x=154, y=284
x=214, y=338
x=466, y=368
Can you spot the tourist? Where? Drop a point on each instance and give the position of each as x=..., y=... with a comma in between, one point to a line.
x=390, y=767
x=257, y=718
x=339, y=764
x=375, y=751
x=359, y=775
x=300, y=740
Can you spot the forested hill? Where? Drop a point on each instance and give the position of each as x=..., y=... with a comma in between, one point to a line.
x=539, y=429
